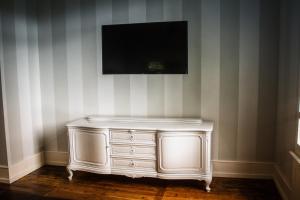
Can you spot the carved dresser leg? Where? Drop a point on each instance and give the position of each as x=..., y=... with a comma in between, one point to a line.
x=70, y=173
x=207, y=183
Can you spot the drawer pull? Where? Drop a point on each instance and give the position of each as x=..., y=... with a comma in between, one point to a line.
x=132, y=150
x=131, y=137
x=132, y=164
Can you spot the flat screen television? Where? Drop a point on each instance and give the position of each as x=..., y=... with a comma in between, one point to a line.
x=145, y=48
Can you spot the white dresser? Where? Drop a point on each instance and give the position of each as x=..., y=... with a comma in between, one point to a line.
x=167, y=148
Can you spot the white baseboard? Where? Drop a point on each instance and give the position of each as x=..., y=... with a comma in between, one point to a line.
x=243, y=169
x=56, y=158
x=26, y=166
x=4, y=176
x=282, y=183
x=234, y=169
x=22, y=168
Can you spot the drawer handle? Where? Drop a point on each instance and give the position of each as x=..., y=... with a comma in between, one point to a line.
x=132, y=164
x=132, y=150
x=131, y=137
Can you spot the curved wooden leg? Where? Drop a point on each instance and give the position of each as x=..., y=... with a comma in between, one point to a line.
x=70, y=174
x=207, y=183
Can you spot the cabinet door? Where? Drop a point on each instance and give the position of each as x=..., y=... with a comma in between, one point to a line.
x=181, y=152
x=90, y=148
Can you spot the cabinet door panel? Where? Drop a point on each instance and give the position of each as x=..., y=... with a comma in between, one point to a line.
x=91, y=148
x=181, y=153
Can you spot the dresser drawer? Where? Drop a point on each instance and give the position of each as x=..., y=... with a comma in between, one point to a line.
x=132, y=136
x=133, y=164
x=134, y=151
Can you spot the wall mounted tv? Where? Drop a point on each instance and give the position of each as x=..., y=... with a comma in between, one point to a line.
x=145, y=48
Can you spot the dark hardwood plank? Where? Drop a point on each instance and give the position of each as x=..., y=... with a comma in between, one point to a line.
x=51, y=183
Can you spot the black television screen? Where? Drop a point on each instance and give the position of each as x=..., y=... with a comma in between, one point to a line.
x=145, y=48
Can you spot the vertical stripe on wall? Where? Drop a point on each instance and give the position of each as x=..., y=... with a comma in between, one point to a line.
x=3, y=147
x=229, y=79
x=11, y=84
x=288, y=86
x=74, y=59
x=155, y=83
x=106, y=82
x=173, y=83
x=283, y=79
x=6, y=150
x=268, y=49
x=23, y=77
x=89, y=54
x=60, y=71
x=210, y=66
x=34, y=76
x=248, y=79
x=138, y=83
x=292, y=69
x=3, y=152
x=121, y=82
x=282, y=92
x=47, y=74
x=191, y=83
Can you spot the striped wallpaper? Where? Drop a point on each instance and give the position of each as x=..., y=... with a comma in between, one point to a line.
x=3, y=152
x=20, y=79
x=52, y=71
x=289, y=80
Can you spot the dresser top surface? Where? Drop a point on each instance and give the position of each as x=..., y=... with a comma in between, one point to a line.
x=144, y=123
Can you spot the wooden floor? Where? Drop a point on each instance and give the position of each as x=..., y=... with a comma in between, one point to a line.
x=51, y=183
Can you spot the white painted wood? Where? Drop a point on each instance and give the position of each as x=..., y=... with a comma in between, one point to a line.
x=243, y=169
x=132, y=136
x=94, y=146
x=134, y=173
x=26, y=166
x=88, y=150
x=134, y=164
x=282, y=184
x=133, y=151
x=183, y=147
x=154, y=124
x=4, y=175
x=180, y=152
